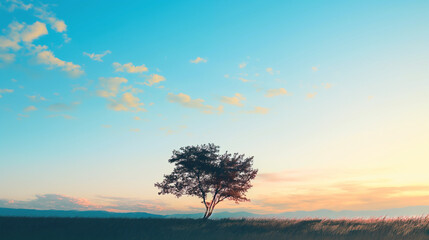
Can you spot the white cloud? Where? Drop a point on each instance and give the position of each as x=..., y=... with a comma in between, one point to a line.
x=128, y=102
x=110, y=86
x=34, y=31
x=36, y=98
x=30, y=108
x=7, y=57
x=17, y=4
x=186, y=101
x=198, y=60
x=315, y=69
x=97, y=57
x=48, y=58
x=236, y=100
x=153, y=79
x=18, y=32
x=75, y=89
x=270, y=70
x=57, y=24
x=242, y=65
x=276, y=92
x=5, y=90
x=259, y=110
x=243, y=79
x=129, y=67
x=311, y=95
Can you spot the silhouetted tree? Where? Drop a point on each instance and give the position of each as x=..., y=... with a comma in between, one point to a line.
x=201, y=171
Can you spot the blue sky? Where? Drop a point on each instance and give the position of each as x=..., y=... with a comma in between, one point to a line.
x=327, y=95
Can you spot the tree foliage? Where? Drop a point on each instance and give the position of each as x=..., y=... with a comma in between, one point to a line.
x=201, y=171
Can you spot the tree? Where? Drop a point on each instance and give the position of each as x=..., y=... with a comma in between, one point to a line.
x=201, y=171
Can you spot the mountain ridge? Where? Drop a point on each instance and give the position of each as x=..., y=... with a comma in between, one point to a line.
x=322, y=213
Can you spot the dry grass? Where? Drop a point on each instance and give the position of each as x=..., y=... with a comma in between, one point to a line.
x=12, y=228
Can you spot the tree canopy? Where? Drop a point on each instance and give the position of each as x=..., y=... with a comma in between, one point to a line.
x=201, y=171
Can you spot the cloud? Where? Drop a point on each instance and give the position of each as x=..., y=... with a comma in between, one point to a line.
x=347, y=196
x=244, y=80
x=34, y=31
x=137, y=118
x=110, y=86
x=75, y=89
x=30, y=109
x=5, y=90
x=153, y=79
x=259, y=110
x=65, y=116
x=17, y=4
x=59, y=107
x=135, y=130
x=57, y=24
x=311, y=95
x=242, y=65
x=328, y=85
x=315, y=69
x=128, y=102
x=270, y=70
x=275, y=92
x=198, y=60
x=48, y=58
x=7, y=57
x=129, y=67
x=51, y=201
x=36, y=98
x=97, y=57
x=236, y=100
x=18, y=32
x=186, y=101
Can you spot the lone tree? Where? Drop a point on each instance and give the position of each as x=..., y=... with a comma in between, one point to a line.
x=201, y=171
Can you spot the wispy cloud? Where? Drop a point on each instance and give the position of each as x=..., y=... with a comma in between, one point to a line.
x=97, y=57
x=110, y=86
x=17, y=4
x=7, y=57
x=315, y=69
x=242, y=65
x=30, y=109
x=129, y=67
x=48, y=58
x=128, y=102
x=198, y=60
x=276, y=92
x=21, y=32
x=236, y=100
x=59, y=107
x=65, y=116
x=5, y=90
x=311, y=95
x=259, y=110
x=186, y=101
x=153, y=79
x=244, y=80
x=36, y=98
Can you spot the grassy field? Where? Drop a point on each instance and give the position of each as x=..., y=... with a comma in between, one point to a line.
x=12, y=228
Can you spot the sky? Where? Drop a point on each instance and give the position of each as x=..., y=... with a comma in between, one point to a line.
x=330, y=97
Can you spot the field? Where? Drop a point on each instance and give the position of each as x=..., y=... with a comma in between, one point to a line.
x=12, y=228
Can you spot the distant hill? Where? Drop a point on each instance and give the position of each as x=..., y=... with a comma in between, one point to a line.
x=394, y=212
